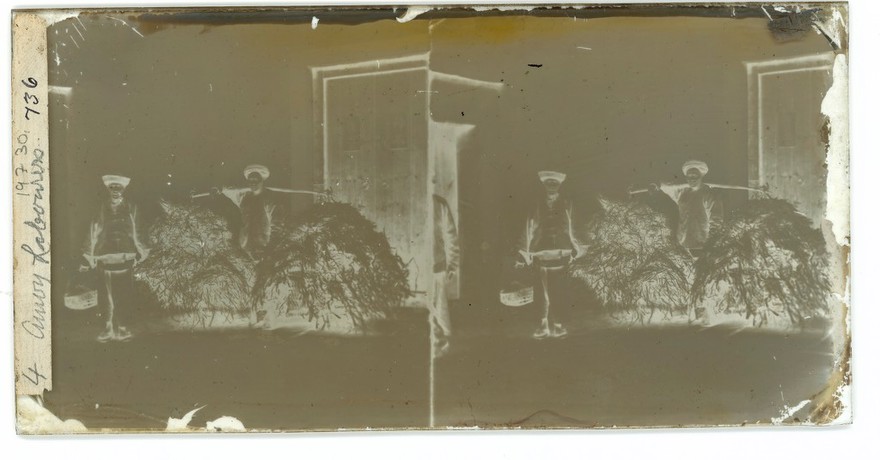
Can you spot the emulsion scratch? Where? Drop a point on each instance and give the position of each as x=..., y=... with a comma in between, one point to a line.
x=34, y=418
x=834, y=106
x=843, y=394
x=584, y=48
x=74, y=41
x=226, y=424
x=129, y=26
x=413, y=12
x=788, y=411
x=525, y=8
x=434, y=23
x=81, y=36
x=833, y=28
x=182, y=424
x=81, y=23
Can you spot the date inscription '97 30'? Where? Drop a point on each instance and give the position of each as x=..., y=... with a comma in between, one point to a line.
x=30, y=171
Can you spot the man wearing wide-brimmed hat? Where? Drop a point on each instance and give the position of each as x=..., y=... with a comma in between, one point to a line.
x=700, y=210
x=550, y=245
x=114, y=245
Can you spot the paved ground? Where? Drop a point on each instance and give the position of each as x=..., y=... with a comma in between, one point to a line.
x=495, y=375
x=619, y=377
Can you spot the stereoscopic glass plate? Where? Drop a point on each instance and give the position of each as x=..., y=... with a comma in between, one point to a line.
x=350, y=218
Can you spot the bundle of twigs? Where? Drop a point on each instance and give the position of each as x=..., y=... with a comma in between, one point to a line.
x=766, y=262
x=333, y=261
x=195, y=266
x=633, y=264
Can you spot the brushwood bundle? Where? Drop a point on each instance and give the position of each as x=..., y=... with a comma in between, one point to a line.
x=333, y=261
x=195, y=266
x=766, y=262
x=632, y=262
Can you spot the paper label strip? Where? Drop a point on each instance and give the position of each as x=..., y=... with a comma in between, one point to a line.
x=30, y=206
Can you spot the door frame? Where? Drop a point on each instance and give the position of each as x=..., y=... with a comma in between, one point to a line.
x=322, y=74
x=755, y=72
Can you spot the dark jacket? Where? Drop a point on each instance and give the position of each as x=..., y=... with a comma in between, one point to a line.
x=115, y=230
x=550, y=227
x=700, y=212
x=259, y=213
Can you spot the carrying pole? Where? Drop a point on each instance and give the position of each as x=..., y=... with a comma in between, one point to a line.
x=720, y=186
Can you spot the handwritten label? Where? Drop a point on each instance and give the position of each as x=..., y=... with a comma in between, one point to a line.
x=30, y=206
